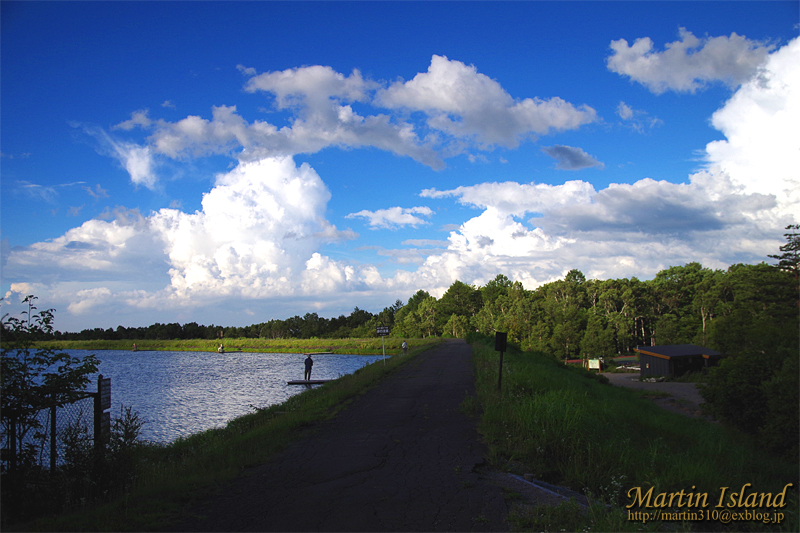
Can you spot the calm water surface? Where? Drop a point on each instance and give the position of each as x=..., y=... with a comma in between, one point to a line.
x=182, y=393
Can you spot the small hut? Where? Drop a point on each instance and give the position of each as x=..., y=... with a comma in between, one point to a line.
x=674, y=360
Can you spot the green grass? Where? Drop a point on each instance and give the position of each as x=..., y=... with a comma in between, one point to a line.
x=371, y=346
x=169, y=479
x=567, y=428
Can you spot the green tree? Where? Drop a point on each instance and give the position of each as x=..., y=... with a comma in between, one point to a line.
x=755, y=308
x=678, y=319
x=496, y=305
x=493, y=289
x=456, y=327
x=32, y=379
x=521, y=313
x=598, y=339
x=403, y=312
x=781, y=430
x=755, y=388
x=789, y=260
x=427, y=317
x=459, y=299
x=565, y=307
x=408, y=326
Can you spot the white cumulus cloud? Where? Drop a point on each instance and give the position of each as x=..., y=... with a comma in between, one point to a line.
x=464, y=103
x=761, y=124
x=690, y=63
x=394, y=217
x=258, y=231
x=515, y=198
x=258, y=227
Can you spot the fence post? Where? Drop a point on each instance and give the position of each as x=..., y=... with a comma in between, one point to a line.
x=97, y=441
x=13, y=448
x=53, y=450
x=102, y=419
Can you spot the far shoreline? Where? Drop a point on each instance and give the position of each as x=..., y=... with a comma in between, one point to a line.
x=369, y=346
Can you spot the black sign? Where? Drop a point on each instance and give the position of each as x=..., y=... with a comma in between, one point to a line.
x=383, y=330
x=104, y=388
x=105, y=426
x=500, y=339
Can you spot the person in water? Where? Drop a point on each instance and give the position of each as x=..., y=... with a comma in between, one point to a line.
x=309, y=364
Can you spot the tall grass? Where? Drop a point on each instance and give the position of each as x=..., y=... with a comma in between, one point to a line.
x=170, y=478
x=567, y=427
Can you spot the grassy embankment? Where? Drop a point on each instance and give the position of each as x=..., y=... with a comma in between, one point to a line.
x=370, y=346
x=169, y=479
x=567, y=428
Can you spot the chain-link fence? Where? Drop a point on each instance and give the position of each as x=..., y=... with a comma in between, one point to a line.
x=45, y=440
x=35, y=438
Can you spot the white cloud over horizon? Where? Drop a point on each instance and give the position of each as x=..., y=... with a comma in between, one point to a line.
x=261, y=229
x=690, y=63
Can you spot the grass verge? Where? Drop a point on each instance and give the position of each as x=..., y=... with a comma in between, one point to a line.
x=567, y=427
x=371, y=346
x=171, y=478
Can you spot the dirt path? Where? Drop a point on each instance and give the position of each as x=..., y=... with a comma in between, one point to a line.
x=682, y=398
x=402, y=457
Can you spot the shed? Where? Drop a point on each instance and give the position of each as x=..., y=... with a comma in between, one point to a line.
x=675, y=359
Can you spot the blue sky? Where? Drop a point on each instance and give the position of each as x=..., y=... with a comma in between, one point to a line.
x=232, y=162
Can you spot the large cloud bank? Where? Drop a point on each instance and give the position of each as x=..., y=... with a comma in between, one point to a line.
x=257, y=239
x=726, y=213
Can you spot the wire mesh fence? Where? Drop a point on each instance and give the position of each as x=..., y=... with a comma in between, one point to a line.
x=35, y=443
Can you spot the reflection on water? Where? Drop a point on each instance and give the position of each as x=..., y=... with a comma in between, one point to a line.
x=181, y=393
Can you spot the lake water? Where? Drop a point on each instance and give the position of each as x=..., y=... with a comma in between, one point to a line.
x=182, y=393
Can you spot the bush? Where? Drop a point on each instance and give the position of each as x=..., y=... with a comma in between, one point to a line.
x=758, y=392
x=781, y=432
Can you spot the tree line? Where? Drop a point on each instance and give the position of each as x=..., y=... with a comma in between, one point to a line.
x=727, y=310
x=358, y=324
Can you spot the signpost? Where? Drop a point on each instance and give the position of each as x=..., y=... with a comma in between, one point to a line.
x=383, y=331
x=500, y=341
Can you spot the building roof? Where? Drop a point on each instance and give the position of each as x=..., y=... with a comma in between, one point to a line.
x=668, y=351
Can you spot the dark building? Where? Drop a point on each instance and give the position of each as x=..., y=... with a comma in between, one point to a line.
x=675, y=359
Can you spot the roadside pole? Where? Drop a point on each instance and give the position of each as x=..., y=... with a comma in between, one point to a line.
x=383, y=331
x=500, y=339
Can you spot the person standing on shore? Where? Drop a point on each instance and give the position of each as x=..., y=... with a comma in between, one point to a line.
x=309, y=364
x=405, y=347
